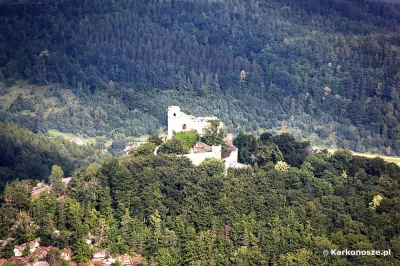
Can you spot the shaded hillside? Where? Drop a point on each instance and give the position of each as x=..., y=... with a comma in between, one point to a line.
x=24, y=155
x=291, y=65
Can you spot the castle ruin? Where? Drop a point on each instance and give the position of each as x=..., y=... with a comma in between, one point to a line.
x=179, y=121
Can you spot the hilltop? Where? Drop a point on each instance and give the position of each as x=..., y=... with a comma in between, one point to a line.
x=164, y=209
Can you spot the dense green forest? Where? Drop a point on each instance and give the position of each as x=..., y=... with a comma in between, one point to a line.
x=285, y=210
x=327, y=71
x=24, y=155
x=323, y=70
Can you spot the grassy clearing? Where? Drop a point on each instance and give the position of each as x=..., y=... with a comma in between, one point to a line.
x=55, y=133
x=7, y=99
x=390, y=159
x=41, y=96
x=86, y=140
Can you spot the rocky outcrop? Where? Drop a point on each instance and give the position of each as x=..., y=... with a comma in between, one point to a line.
x=39, y=188
x=100, y=258
x=66, y=254
x=32, y=247
x=124, y=259
x=100, y=255
x=40, y=263
x=38, y=256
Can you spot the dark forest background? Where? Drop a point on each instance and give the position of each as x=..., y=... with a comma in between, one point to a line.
x=323, y=70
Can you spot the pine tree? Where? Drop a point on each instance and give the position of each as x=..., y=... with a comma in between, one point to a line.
x=55, y=179
x=81, y=250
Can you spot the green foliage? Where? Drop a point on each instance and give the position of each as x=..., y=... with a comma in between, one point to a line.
x=9, y=82
x=26, y=228
x=265, y=137
x=26, y=155
x=293, y=151
x=247, y=145
x=17, y=193
x=341, y=159
x=56, y=177
x=270, y=148
x=214, y=54
x=395, y=133
x=262, y=75
x=175, y=146
x=189, y=138
x=54, y=257
x=13, y=264
x=57, y=174
x=144, y=149
x=214, y=134
x=8, y=250
x=175, y=213
x=74, y=213
x=270, y=153
x=165, y=257
x=281, y=166
x=21, y=104
x=81, y=250
x=101, y=142
x=26, y=251
x=213, y=167
x=155, y=139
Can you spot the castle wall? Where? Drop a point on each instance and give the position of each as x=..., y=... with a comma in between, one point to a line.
x=233, y=157
x=179, y=121
x=198, y=158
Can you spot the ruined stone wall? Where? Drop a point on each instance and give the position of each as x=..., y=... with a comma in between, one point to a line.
x=233, y=157
x=198, y=158
x=179, y=121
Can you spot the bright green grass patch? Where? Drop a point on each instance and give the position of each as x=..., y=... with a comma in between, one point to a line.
x=90, y=140
x=12, y=94
x=86, y=140
x=41, y=96
x=390, y=159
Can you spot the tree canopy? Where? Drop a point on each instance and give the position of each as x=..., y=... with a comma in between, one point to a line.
x=326, y=71
x=172, y=212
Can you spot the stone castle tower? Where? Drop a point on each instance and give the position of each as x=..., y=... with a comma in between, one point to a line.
x=174, y=120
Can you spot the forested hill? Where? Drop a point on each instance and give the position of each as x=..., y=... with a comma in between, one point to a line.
x=325, y=70
x=24, y=155
x=172, y=212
